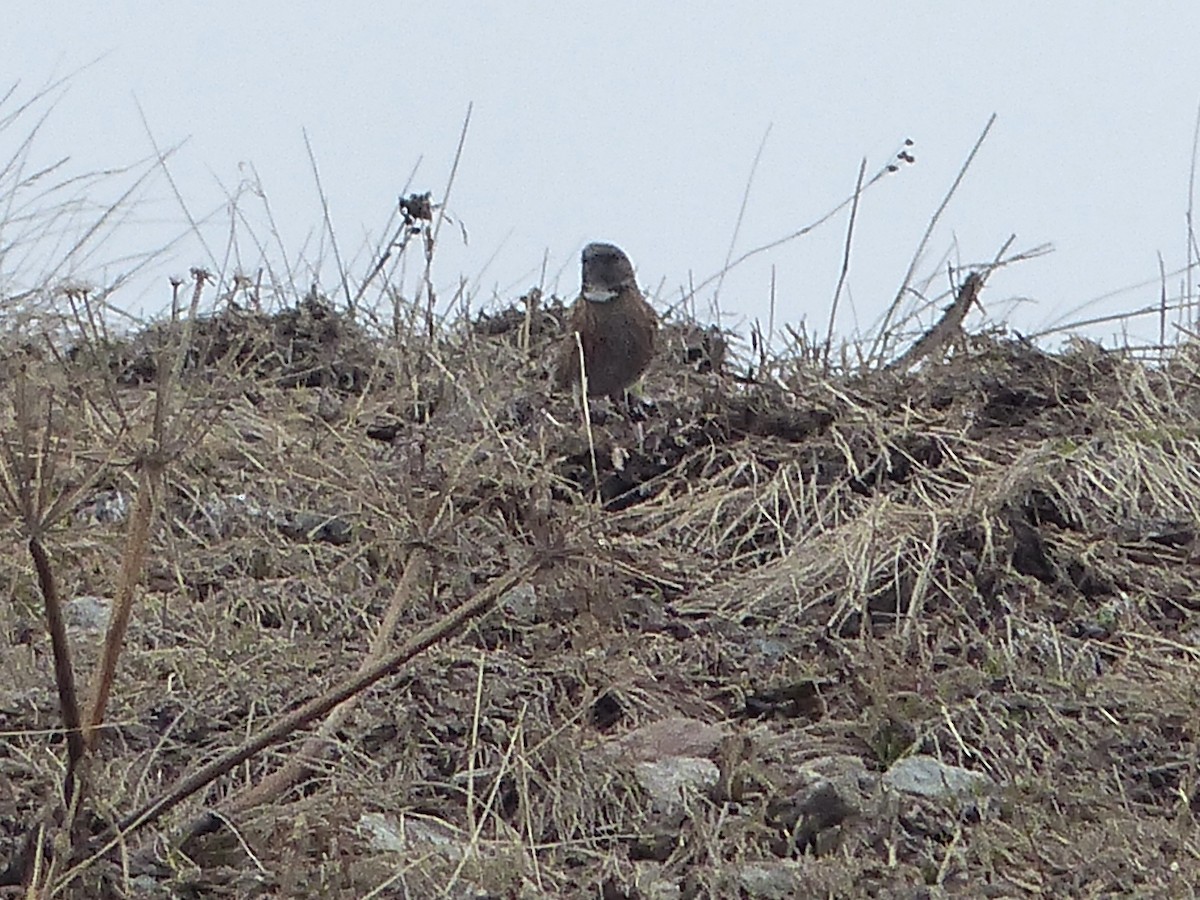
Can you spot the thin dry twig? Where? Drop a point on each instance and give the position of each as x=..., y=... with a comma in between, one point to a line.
x=879, y=347
x=689, y=295
x=327, y=220
x=946, y=329
x=133, y=559
x=1192, y=251
x=737, y=224
x=447, y=626
x=319, y=747
x=837, y=293
x=432, y=236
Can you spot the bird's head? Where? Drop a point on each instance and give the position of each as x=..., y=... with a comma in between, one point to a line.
x=606, y=272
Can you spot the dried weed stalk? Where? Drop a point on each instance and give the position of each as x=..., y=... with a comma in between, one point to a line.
x=39, y=494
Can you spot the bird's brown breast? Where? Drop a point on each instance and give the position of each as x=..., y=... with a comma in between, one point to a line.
x=618, y=343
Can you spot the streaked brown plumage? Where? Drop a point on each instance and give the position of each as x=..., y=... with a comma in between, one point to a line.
x=616, y=326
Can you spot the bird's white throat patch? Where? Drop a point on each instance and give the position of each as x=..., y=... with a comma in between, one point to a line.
x=599, y=296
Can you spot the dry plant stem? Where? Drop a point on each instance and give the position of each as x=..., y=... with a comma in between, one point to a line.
x=167, y=382
x=327, y=219
x=445, y=627
x=95, y=332
x=532, y=301
x=393, y=244
x=586, y=408
x=1162, y=301
x=1193, y=252
x=109, y=212
x=947, y=327
x=778, y=242
x=1153, y=310
x=879, y=346
x=27, y=481
x=837, y=293
x=770, y=319
x=132, y=560
x=431, y=240
x=161, y=158
x=64, y=673
x=134, y=556
x=315, y=748
x=458, y=152
x=737, y=225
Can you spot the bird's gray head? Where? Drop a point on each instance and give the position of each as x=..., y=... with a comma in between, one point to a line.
x=606, y=272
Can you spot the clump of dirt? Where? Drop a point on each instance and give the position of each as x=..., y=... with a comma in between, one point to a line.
x=310, y=345
x=808, y=633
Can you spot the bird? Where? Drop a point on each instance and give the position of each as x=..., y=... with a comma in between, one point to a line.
x=615, y=324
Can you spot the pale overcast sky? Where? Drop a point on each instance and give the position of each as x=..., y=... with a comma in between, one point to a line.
x=638, y=123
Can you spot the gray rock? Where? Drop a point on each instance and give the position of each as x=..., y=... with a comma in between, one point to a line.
x=653, y=883
x=105, y=508
x=779, y=880
x=845, y=770
x=674, y=736
x=769, y=649
x=669, y=781
x=87, y=613
x=927, y=776
x=225, y=514
x=319, y=529
x=828, y=791
x=382, y=834
x=417, y=836
x=409, y=834
x=521, y=601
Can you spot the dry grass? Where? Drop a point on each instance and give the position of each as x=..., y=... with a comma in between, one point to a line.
x=990, y=560
x=402, y=622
